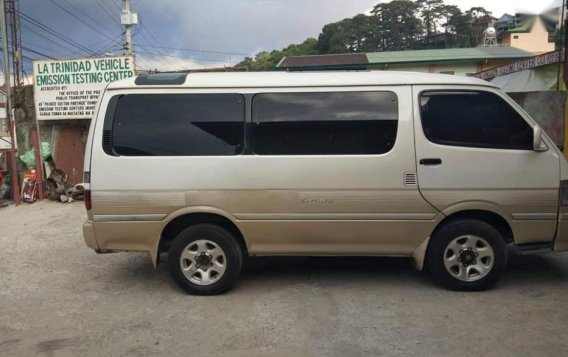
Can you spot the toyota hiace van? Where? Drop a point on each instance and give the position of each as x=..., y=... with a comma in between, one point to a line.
x=213, y=167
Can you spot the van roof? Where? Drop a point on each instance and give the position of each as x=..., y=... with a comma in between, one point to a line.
x=290, y=79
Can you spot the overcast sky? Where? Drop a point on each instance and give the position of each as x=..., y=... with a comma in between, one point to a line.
x=192, y=32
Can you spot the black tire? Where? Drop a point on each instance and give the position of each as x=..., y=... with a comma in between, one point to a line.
x=224, y=240
x=436, y=254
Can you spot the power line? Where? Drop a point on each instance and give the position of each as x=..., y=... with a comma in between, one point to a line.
x=152, y=36
x=80, y=20
x=102, y=5
x=185, y=57
x=142, y=59
x=109, y=46
x=54, y=33
x=164, y=51
x=112, y=3
x=40, y=34
x=23, y=56
x=201, y=51
x=37, y=52
x=94, y=21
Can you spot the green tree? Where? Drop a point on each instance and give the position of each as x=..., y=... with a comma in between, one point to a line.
x=452, y=23
x=266, y=61
x=392, y=26
x=431, y=14
x=477, y=20
x=335, y=37
x=450, y=13
x=397, y=25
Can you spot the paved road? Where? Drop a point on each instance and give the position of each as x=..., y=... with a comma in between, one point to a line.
x=59, y=298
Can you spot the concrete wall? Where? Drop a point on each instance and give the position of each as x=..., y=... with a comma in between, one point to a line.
x=550, y=116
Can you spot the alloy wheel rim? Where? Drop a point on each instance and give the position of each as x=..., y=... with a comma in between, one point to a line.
x=468, y=258
x=203, y=262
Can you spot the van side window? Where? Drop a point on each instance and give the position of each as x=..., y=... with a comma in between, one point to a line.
x=179, y=125
x=335, y=123
x=473, y=119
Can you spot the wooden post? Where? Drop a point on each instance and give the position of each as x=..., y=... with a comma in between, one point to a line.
x=565, y=138
x=8, y=89
x=565, y=75
x=38, y=163
x=13, y=168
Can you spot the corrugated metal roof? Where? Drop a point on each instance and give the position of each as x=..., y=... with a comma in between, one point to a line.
x=361, y=60
x=449, y=54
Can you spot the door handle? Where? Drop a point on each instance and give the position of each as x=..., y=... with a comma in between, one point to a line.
x=430, y=162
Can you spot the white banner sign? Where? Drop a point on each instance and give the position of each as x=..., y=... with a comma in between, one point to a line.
x=69, y=89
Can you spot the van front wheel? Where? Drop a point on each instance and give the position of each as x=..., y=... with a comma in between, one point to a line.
x=467, y=255
x=205, y=259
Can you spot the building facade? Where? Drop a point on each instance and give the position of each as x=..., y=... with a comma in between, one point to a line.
x=532, y=35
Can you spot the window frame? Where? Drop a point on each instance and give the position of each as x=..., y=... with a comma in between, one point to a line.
x=251, y=143
x=112, y=108
x=453, y=90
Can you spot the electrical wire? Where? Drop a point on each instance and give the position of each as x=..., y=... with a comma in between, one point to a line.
x=112, y=3
x=80, y=19
x=163, y=50
x=102, y=5
x=53, y=32
x=201, y=51
x=40, y=34
x=185, y=57
x=94, y=21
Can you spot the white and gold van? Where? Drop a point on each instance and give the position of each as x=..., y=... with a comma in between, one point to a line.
x=212, y=167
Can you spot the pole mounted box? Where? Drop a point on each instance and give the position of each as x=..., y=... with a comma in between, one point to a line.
x=128, y=18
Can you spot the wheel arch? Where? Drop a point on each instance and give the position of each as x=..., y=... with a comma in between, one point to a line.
x=186, y=217
x=496, y=220
x=492, y=218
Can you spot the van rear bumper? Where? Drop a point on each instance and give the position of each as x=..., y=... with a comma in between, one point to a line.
x=89, y=235
x=561, y=242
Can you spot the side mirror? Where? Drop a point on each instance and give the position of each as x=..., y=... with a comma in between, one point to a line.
x=538, y=145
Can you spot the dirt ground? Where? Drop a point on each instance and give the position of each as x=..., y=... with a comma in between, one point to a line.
x=59, y=298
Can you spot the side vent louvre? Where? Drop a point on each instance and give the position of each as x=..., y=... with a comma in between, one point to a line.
x=107, y=141
x=410, y=179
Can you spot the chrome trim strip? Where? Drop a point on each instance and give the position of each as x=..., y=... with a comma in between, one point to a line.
x=535, y=216
x=335, y=216
x=128, y=217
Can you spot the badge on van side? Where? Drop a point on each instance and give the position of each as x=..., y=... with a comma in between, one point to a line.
x=316, y=201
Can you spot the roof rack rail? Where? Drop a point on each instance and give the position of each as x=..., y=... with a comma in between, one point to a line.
x=161, y=79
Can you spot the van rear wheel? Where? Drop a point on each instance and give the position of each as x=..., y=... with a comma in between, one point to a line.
x=205, y=259
x=467, y=254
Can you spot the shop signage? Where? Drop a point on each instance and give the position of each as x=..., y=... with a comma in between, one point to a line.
x=70, y=89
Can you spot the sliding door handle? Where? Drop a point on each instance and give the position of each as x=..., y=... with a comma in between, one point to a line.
x=430, y=162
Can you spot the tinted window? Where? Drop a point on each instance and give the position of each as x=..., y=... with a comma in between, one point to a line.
x=474, y=119
x=179, y=125
x=340, y=123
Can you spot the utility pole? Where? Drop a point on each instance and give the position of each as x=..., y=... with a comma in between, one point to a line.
x=564, y=40
x=7, y=86
x=128, y=19
x=13, y=23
